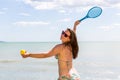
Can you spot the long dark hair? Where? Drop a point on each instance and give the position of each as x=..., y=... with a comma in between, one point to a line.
x=73, y=43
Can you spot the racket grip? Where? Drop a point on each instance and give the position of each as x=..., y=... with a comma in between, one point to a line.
x=82, y=19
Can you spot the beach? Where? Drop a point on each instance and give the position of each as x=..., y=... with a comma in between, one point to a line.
x=96, y=61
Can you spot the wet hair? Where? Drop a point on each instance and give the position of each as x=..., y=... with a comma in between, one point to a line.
x=73, y=43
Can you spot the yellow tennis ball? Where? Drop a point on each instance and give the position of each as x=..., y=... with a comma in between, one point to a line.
x=22, y=51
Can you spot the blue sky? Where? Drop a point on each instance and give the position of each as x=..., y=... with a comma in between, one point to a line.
x=43, y=20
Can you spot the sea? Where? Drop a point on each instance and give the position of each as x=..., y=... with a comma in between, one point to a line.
x=97, y=60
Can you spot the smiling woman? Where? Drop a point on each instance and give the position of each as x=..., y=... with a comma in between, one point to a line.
x=65, y=52
x=60, y=14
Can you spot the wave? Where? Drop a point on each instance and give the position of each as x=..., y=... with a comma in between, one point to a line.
x=9, y=61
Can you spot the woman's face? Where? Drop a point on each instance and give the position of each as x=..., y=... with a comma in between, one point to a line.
x=65, y=36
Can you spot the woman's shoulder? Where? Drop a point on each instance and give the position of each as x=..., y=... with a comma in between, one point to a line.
x=59, y=45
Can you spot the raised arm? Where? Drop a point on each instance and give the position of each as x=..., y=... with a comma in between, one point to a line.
x=75, y=25
x=56, y=50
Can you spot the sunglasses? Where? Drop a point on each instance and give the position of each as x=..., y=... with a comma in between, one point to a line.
x=65, y=35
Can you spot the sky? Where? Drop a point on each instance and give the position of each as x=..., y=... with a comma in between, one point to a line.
x=43, y=20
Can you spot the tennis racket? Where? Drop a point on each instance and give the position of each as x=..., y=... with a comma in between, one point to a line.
x=92, y=13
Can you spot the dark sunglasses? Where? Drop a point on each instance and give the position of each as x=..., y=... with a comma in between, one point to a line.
x=64, y=34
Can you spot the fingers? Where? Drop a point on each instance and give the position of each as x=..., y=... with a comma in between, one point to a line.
x=77, y=22
x=24, y=53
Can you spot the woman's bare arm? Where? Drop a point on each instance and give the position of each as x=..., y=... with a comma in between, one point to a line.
x=75, y=25
x=56, y=50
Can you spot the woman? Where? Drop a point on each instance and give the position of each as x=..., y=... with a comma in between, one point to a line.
x=65, y=52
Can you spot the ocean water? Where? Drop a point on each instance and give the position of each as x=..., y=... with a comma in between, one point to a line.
x=96, y=61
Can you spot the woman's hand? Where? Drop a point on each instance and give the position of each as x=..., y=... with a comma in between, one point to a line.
x=24, y=53
x=75, y=25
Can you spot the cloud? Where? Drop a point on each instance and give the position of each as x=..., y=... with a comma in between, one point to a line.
x=110, y=27
x=3, y=10
x=24, y=14
x=70, y=4
x=118, y=14
x=31, y=23
x=117, y=24
x=65, y=20
x=106, y=28
x=62, y=11
x=41, y=5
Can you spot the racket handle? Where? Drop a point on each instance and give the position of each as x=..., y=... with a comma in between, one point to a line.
x=82, y=19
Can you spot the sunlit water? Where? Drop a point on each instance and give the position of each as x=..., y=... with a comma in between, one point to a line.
x=96, y=61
